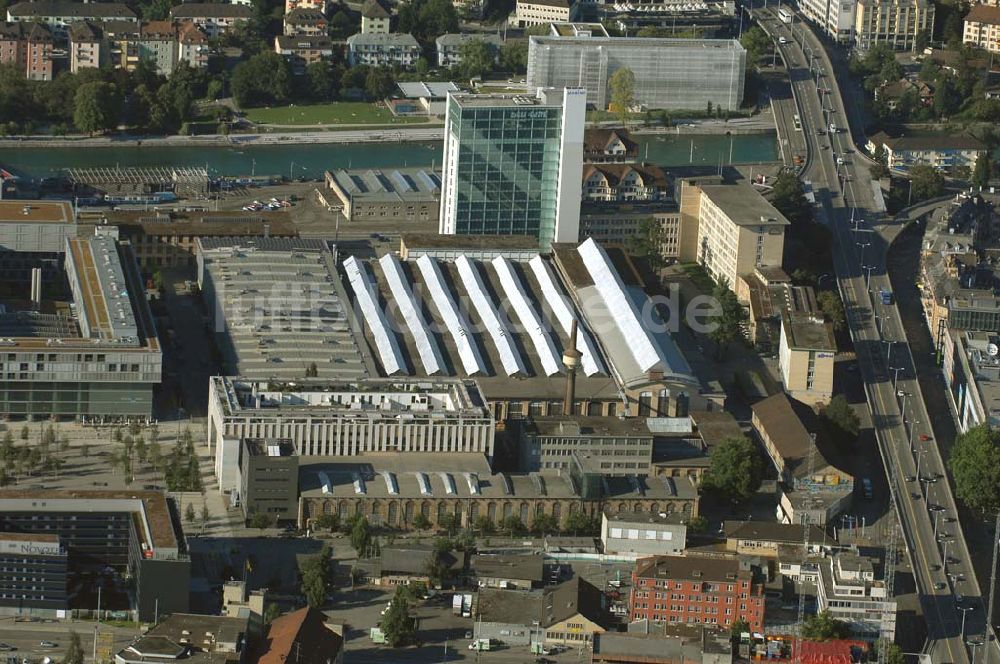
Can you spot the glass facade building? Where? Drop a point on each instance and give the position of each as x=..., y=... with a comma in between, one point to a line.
x=512, y=165
x=681, y=74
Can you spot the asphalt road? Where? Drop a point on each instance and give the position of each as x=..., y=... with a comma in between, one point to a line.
x=26, y=637
x=842, y=186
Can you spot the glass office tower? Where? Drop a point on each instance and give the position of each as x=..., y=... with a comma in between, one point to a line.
x=512, y=165
x=677, y=74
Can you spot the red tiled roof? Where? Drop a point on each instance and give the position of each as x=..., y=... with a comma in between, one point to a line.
x=301, y=637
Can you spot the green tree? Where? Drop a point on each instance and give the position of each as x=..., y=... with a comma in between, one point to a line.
x=477, y=58
x=378, y=83
x=921, y=40
x=260, y=520
x=313, y=587
x=189, y=514
x=946, y=99
x=823, y=626
x=320, y=80
x=580, y=523
x=397, y=625
x=757, y=43
x=735, y=469
x=789, y=197
x=514, y=56
x=739, y=627
x=421, y=522
x=511, y=525
x=484, y=525
x=544, y=524
x=96, y=107
x=622, y=86
x=839, y=415
x=648, y=243
x=894, y=654
x=729, y=323
x=361, y=535
x=74, y=652
x=265, y=78
x=833, y=308
x=925, y=182
x=975, y=465
x=327, y=521
x=24, y=432
x=448, y=522
x=983, y=171
x=271, y=611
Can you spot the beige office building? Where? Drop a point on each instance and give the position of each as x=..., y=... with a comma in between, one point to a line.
x=893, y=22
x=806, y=348
x=737, y=230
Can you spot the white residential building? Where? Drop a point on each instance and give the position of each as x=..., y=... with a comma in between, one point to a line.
x=382, y=50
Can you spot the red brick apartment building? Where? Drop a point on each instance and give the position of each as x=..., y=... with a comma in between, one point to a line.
x=696, y=591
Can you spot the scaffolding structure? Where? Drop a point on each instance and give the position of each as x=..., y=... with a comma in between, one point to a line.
x=184, y=181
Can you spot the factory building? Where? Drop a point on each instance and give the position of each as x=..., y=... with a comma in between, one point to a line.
x=326, y=418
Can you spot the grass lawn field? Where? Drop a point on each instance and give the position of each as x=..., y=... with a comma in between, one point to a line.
x=338, y=112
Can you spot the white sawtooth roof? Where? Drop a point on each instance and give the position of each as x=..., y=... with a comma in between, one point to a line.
x=385, y=340
x=458, y=327
x=427, y=347
x=626, y=317
x=564, y=314
x=472, y=280
x=530, y=320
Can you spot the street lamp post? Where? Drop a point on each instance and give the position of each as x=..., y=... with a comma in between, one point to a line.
x=920, y=456
x=868, y=276
x=903, y=394
x=944, y=560
x=888, y=354
x=863, y=245
x=965, y=611
x=936, y=515
x=913, y=426
x=895, y=376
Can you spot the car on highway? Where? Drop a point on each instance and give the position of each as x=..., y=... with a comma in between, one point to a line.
x=930, y=479
x=48, y=644
x=935, y=508
x=924, y=437
x=915, y=495
x=910, y=478
x=6, y=647
x=940, y=586
x=935, y=567
x=782, y=41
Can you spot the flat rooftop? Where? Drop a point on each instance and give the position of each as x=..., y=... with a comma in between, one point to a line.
x=642, y=43
x=280, y=308
x=586, y=425
x=100, y=290
x=103, y=315
x=185, y=637
x=744, y=205
x=386, y=396
x=36, y=212
x=150, y=505
x=459, y=475
x=468, y=100
x=662, y=519
x=437, y=241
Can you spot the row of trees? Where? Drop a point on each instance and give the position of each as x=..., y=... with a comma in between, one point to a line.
x=98, y=100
